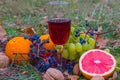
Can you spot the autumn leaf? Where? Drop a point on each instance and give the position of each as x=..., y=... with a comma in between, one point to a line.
x=29, y=31
x=115, y=43
x=115, y=75
x=1, y=2
x=2, y=34
x=88, y=18
x=2, y=31
x=19, y=22
x=44, y=20
x=101, y=42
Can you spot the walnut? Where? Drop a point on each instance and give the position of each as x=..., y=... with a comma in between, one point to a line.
x=53, y=74
x=97, y=78
x=76, y=70
x=4, y=60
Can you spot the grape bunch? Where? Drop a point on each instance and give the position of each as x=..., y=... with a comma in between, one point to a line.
x=38, y=55
x=78, y=43
x=68, y=65
x=42, y=61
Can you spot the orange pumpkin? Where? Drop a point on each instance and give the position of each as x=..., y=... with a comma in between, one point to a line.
x=50, y=45
x=17, y=49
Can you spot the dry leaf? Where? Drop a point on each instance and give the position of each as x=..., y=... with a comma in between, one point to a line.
x=1, y=22
x=117, y=34
x=106, y=1
x=115, y=75
x=102, y=43
x=44, y=21
x=29, y=31
x=1, y=3
x=89, y=19
x=115, y=43
x=76, y=70
x=19, y=22
x=2, y=34
x=99, y=29
x=118, y=26
x=2, y=31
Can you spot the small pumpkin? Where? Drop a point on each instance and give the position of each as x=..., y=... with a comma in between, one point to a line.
x=17, y=49
x=50, y=45
x=4, y=60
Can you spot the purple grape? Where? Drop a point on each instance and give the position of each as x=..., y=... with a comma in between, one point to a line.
x=31, y=45
x=77, y=34
x=96, y=29
x=53, y=51
x=77, y=31
x=82, y=41
x=43, y=50
x=91, y=33
x=42, y=43
x=38, y=40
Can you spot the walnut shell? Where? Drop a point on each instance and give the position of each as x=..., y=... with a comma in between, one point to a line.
x=54, y=73
x=76, y=70
x=1, y=53
x=47, y=77
x=97, y=78
x=4, y=60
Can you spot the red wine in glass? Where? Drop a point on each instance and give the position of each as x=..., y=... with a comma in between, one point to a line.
x=59, y=30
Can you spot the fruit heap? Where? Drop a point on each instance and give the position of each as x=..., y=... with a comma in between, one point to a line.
x=43, y=55
x=77, y=44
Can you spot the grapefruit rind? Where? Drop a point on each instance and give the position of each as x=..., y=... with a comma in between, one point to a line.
x=90, y=75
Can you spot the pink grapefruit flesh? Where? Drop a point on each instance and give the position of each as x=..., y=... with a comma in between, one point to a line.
x=97, y=62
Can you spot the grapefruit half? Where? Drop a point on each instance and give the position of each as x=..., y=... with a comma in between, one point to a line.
x=97, y=62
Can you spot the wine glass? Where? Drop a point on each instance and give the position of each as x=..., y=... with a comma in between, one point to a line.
x=59, y=22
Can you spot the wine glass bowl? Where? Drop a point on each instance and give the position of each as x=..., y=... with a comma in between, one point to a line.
x=59, y=21
x=59, y=30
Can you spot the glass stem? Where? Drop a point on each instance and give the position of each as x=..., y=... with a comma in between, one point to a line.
x=61, y=50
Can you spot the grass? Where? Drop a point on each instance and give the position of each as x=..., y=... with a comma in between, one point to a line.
x=17, y=14
x=33, y=74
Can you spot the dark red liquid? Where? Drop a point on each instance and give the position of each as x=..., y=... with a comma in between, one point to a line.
x=59, y=30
